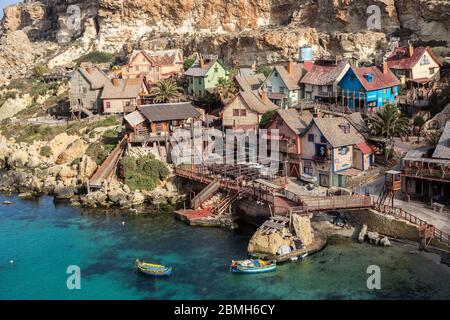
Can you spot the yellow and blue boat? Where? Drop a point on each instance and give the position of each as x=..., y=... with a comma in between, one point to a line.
x=253, y=266
x=155, y=270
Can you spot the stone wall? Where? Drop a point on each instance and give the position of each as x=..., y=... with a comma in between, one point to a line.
x=384, y=224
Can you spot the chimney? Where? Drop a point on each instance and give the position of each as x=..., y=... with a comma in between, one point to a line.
x=116, y=82
x=410, y=49
x=290, y=66
x=385, y=67
x=89, y=70
x=201, y=61
x=264, y=96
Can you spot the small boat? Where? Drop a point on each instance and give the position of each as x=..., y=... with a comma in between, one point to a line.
x=7, y=203
x=252, y=266
x=155, y=270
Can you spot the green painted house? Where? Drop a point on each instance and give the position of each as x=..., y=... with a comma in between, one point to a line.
x=204, y=74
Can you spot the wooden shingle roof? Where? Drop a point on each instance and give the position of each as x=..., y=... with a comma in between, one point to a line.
x=169, y=111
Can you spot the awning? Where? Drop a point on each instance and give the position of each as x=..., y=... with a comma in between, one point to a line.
x=365, y=148
x=422, y=80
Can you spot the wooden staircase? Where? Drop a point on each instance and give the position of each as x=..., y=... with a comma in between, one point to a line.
x=224, y=206
x=205, y=194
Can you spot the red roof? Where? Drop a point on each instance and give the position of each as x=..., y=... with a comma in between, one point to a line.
x=380, y=80
x=400, y=58
x=365, y=148
x=308, y=65
x=323, y=75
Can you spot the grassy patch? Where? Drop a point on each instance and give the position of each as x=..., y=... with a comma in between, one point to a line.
x=99, y=151
x=96, y=57
x=46, y=151
x=31, y=133
x=145, y=173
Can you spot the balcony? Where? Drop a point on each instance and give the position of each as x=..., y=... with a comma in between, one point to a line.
x=427, y=168
x=144, y=136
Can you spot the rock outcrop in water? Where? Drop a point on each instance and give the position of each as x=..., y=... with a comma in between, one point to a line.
x=240, y=30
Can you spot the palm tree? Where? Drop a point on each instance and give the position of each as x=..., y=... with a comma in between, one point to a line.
x=388, y=123
x=225, y=89
x=419, y=121
x=165, y=91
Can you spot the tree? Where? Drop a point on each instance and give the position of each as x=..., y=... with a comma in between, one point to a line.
x=388, y=123
x=266, y=118
x=188, y=62
x=264, y=70
x=225, y=89
x=419, y=122
x=165, y=91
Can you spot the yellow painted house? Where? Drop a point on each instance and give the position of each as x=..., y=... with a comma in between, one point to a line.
x=415, y=65
x=154, y=65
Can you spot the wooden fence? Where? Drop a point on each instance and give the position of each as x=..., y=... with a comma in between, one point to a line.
x=402, y=214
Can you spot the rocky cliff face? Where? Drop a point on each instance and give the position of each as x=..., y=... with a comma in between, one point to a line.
x=240, y=30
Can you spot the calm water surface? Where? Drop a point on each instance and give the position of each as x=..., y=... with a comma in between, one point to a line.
x=44, y=239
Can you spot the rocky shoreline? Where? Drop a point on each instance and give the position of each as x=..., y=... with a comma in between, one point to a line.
x=65, y=173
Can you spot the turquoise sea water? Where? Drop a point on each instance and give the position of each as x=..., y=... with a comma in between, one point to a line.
x=44, y=239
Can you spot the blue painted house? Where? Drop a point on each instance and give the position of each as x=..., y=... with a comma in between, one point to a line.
x=368, y=88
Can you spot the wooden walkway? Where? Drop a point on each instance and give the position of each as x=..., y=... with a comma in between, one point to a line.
x=284, y=203
x=108, y=168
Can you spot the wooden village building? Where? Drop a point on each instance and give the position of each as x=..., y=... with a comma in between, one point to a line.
x=419, y=70
x=415, y=66
x=204, y=75
x=426, y=171
x=85, y=90
x=365, y=89
x=333, y=150
x=122, y=96
x=154, y=65
x=245, y=110
x=154, y=123
x=321, y=81
x=283, y=83
x=290, y=124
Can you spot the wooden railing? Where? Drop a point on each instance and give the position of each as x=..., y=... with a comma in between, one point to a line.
x=402, y=214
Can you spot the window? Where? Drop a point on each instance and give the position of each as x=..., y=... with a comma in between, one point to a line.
x=281, y=89
x=235, y=112
x=136, y=68
x=200, y=81
x=216, y=69
x=84, y=90
x=159, y=127
x=322, y=139
x=275, y=74
x=269, y=89
x=425, y=60
x=343, y=151
x=108, y=105
x=310, y=137
x=127, y=103
x=243, y=113
x=432, y=70
x=308, y=171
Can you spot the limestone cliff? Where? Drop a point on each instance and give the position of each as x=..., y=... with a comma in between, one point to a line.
x=240, y=30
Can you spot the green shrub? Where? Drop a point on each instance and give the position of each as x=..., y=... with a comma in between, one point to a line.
x=264, y=70
x=266, y=118
x=40, y=70
x=144, y=173
x=97, y=57
x=46, y=151
x=188, y=62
